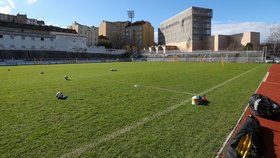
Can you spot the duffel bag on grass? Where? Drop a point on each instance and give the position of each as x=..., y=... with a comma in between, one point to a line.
x=247, y=142
x=264, y=106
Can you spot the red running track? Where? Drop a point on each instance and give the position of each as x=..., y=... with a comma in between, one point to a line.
x=270, y=129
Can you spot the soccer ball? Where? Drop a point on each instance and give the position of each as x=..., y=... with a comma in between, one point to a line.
x=135, y=85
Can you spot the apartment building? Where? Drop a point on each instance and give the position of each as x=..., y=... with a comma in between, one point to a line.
x=91, y=33
x=115, y=32
x=140, y=34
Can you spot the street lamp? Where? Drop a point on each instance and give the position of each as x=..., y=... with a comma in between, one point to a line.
x=130, y=14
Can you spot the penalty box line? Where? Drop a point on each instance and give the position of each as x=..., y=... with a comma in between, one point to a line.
x=166, y=89
x=152, y=87
x=113, y=135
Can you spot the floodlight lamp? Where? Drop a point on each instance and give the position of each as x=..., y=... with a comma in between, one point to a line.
x=130, y=13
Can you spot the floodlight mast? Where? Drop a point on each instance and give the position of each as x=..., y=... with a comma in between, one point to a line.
x=130, y=14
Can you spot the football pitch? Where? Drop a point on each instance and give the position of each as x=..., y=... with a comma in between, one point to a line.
x=141, y=110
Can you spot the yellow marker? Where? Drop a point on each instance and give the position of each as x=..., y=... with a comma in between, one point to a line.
x=239, y=146
x=222, y=62
x=244, y=145
x=248, y=148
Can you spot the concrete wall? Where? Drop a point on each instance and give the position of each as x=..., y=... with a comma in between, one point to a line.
x=190, y=26
x=232, y=42
x=221, y=42
x=208, y=43
x=255, y=39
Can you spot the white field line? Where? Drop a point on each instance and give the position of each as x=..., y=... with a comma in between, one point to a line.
x=168, y=90
x=237, y=123
x=153, y=87
x=113, y=135
x=265, y=77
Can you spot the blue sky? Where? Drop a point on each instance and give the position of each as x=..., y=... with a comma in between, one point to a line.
x=229, y=17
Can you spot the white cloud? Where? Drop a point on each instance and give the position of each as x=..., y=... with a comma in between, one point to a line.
x=6, y=6
x=5, y=9
x=31, y=1
x=11, y=4
x=234, y=28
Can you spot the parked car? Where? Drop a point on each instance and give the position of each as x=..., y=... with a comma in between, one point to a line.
x=269, y=60
x=277, y=60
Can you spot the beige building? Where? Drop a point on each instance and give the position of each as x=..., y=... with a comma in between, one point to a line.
x=187, y=29
x=141, y=34
x=190, y=31
x=114, y=31
x=232, y=42
x=91, y=33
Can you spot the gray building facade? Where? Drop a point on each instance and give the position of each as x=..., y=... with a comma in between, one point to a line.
x=187, y=29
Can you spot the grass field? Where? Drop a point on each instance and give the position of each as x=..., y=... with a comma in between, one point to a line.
x=107, y=116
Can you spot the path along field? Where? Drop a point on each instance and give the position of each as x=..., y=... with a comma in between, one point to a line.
x=106, y=115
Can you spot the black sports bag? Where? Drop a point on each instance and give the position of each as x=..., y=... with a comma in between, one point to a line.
x=264, y=106
x=247, y=142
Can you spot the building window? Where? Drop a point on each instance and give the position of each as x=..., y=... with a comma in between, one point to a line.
x=1, y=36
x=1, y=46
x=12, y=46
x=42, y=47
x=51, y=39
x=74, y=40
x=42, y=39
x=32, y=38
x=12, y=37
x=33, y=47
x=22, y=46
x=22, y=38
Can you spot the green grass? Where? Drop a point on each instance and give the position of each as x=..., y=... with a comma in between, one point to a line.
x=35, y=124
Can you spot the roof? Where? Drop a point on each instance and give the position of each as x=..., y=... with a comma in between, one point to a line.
x=36, y=27
x=138, y=23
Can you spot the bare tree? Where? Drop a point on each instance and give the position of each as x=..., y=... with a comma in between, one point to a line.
x=274, y=38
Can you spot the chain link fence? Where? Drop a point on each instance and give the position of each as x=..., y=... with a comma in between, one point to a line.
x=207, y=56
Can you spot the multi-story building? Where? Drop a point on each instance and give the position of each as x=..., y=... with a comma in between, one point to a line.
x=140, y=34
x=115, y=32
x=232, y=42
x=16, y=36
x=91, y=33
x=187, y=29
x=21, y=19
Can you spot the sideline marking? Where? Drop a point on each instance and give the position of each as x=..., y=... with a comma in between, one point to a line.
x=113, y=135
x=265, y=77
x=237, y=123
